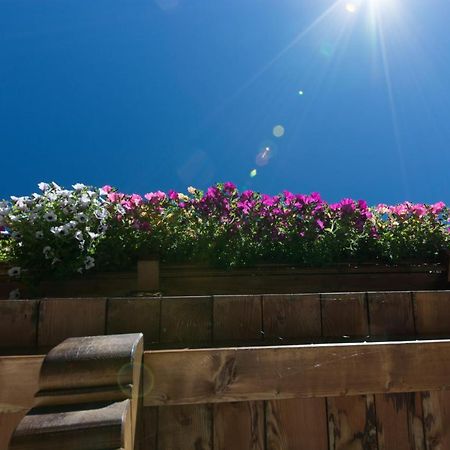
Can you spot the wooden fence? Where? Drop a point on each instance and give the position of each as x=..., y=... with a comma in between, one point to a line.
x=373, y=421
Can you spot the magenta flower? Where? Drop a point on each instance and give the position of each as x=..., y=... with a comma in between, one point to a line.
x=229, y=187
x=155, y=197
x=437, y=208
x=173, y=195
x=107, y=188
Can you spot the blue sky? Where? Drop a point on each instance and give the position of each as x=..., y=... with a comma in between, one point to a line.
x=160, y=94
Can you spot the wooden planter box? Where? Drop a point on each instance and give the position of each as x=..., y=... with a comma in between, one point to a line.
x=187, y=279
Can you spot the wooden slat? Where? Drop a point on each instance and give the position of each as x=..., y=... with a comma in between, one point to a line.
x=185, y=320
x=346, y=316
x=352, y=423
x=294, y=423
x=237, y=318
x=432, y=313
x=291, y=317
x=262, y=373
x=18, y=323
x=432, y=317
x=63, y=318
x=436, y=408
x=400, y=421
x=399, y=416
x=238, y=425
x=147, y=429
x=135, y=315
x=298, y=423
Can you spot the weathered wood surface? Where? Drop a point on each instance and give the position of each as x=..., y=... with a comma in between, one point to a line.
x=88, y=396
x=185, y=321
x=188, y=279
x=295, y=423
x=238, y=425
x=262, y=373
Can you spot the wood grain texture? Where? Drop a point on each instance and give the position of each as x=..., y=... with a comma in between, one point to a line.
x=147, y=429
x=18, y=324
x=291, y=317
x=237, y=318
x=399, y=416
x=19, y=377
x=294, y=423
x=239, y=426
x=436, y=409
x=60, y=319
x=391, y=314
x=263, y=373
x=400, y=422
x=352, y=423
x=185, y=427
x=185, y=320
x=432, y=313
x=344, y=315
x=135, y=315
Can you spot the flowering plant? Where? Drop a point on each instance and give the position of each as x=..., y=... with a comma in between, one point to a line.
x=61, y=232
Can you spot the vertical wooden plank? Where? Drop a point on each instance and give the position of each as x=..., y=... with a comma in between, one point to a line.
x=296, y=423
x=63, y=318
x=352, y=423
x=185, y=320
x=432, y=318
x=344, y=315
x=135, y=315
x=148, y=428
x=293, y=317
x=238, y=425
x=18, y=324
x=400, y=422
x=351, y=420
x=8, y=423
x=436, y=409
x=432, y=313
x=237, y=318
x=399, y=416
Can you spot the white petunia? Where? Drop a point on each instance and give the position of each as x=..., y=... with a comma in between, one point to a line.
x=89, y=263
x=14, y=271
x=50, y=216
x=39, y=234
x=47, y=251
x=43, y=186
x=81, y=217
x=79, y=235
x=14, y=294
x=55, y=186
x=78, y=186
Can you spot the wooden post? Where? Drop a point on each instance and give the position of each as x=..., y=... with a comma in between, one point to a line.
x=148, y=275
x=89, y=395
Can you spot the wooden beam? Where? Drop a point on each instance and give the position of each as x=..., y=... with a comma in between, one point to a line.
x=262, y=373
x=19, y=376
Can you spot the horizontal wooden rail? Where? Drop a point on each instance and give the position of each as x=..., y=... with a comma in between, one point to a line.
x=262, y=373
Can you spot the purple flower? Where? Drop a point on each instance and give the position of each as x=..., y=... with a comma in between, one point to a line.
x=437, y=208
x=173, y=195
x=229, y=187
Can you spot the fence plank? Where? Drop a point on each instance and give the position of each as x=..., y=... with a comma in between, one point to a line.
x=184, y=321
x=265, y=373
x=399, y=416
x=436, y=408
x=295, y=423
x=432, y=318
x=18, y=324
x=349, y=419
x=400, y=422
x=238, y=425
x=432, y=313
x=134, y=315
x=63, y=318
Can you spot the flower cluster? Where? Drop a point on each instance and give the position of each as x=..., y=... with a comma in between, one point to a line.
x=56, y=231
x=64, y=231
